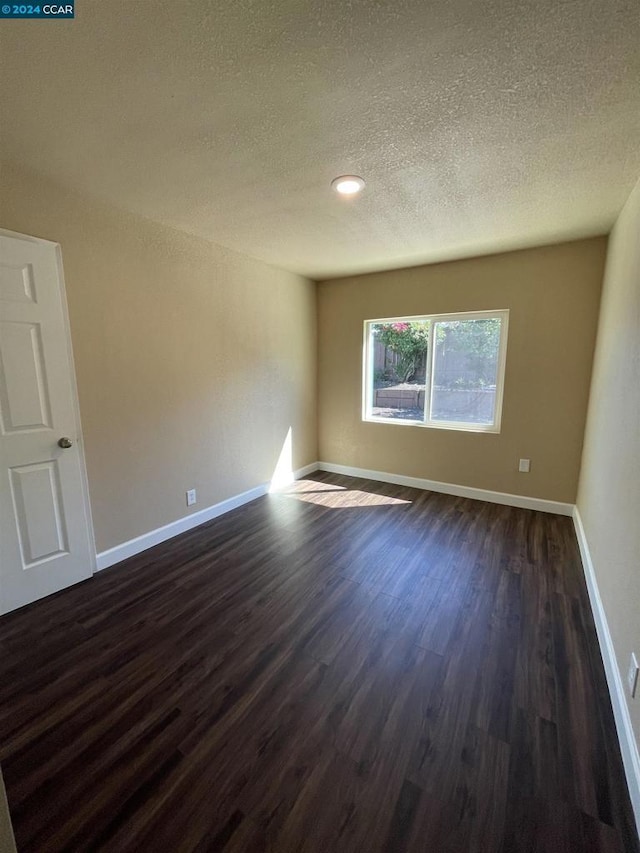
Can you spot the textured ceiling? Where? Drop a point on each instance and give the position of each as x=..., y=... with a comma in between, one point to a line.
x=478, y=126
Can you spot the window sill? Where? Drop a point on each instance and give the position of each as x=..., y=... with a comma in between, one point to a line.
x=451, y=426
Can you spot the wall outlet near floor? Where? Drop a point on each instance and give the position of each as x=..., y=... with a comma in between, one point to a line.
x=191, y=497
x=632, y=675
x=524, y=466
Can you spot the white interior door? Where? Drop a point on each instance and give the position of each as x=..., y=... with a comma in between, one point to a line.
x=46, y=541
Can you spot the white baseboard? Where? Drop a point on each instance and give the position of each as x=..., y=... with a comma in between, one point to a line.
x=134, y=546
x=114, y=555
x=628, y=744
x=452, y=489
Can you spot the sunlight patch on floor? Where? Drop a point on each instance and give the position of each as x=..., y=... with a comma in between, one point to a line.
x=315, y=486
x=338, y=497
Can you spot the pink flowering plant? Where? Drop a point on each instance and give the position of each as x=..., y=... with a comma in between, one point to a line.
x=409, y=341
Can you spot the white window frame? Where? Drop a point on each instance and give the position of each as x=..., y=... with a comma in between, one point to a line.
x=367, y=374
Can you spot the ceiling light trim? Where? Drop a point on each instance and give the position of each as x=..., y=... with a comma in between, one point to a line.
x=348, y=185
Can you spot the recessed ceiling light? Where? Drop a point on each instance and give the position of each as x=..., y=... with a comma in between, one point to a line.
x=347, y=184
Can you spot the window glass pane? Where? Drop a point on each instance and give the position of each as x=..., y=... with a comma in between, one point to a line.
x=398, y=359
x=465, y=370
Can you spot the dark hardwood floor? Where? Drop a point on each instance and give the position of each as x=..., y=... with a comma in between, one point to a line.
x=349, y=666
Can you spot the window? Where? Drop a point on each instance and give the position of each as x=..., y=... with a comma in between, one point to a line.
x=442, y=371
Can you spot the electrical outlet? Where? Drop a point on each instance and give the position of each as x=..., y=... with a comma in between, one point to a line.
x=191, y=497
x=632, y=676
x=524, y=466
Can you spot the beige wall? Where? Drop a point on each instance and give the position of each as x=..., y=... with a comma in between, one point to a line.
x=192, y=361
x=609, y=493
x=553, y=295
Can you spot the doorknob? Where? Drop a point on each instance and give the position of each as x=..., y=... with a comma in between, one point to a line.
x=65, y=443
